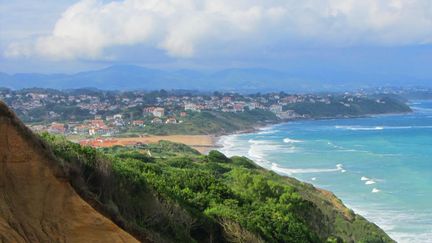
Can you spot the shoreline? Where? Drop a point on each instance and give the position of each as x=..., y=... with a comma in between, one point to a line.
x=260, y=127
x=203, y=143
x=357, y=208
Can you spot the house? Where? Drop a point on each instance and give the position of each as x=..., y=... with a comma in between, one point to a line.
x=238, y=107
x=118, y=117
x=147, y=111
x=226, y=99
x=276, y=108
x=156, y=120
x=138, y=123
x=289, y=114
x=98, y=123
x=80, y=129
x=171, y=120
x=57, y=128
x=192, y=107
x=159, y=112
x=183, y=114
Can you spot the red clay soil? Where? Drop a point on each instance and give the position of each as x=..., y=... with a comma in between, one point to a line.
x=37, y=203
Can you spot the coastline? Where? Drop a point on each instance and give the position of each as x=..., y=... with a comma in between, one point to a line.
x=400, y=234
x=259, y=127
x=206, y=142
x=202, y=143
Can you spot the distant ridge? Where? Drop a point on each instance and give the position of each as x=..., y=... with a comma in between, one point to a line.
x=37, y=203
x=131, y=77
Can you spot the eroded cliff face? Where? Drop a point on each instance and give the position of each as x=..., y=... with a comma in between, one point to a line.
x=37, y=203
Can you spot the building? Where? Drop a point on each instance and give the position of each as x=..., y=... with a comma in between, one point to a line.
x=276, y=108
x=238, y=107
x=171, y=120
x=147, y=111
x=97, y=123
x=138, y=123
x=159, y=112
x=57, y=128
x=118, y=117
x=156, y=120
x=192, y=107
x=289, y=114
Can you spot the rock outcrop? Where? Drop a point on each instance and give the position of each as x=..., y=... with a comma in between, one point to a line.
x=37, y=202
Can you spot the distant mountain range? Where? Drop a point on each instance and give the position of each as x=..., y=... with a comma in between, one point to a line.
x=130, y=77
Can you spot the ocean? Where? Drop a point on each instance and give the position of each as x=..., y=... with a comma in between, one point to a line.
x=380, y=166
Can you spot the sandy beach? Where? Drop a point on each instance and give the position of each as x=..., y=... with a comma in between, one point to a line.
x=202, y=143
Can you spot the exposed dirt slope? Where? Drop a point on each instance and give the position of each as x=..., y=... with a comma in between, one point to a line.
x=37, y=203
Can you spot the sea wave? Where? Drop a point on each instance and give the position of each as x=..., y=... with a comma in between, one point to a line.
x=359, y=128
x=375, y=190
x=230, y=145
x=290, y=171
x=370, y=182
x=265, y=132
x=389, y=219
x=289, y=140
x=416, y=108
x=378, y=128
x=258, y=150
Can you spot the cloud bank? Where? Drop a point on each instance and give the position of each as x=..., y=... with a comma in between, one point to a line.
x=187, y=28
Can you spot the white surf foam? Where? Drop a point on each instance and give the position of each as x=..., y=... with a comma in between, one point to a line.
x=290, y=171
x=289, y=140
x=364, y=178
x=360, y=128
x=370, y=182
x=375, y=190
x=267, y=132
x=375, y=128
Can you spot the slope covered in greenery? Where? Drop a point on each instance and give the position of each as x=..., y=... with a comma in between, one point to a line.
x=212, y=122
x=177, y=195
x=343, y=107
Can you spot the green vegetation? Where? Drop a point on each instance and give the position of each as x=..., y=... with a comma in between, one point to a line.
x=169, y=193
x=211, y=122
x=349, y=107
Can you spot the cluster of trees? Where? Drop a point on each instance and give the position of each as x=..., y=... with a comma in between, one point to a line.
x=359, y=106
x=179, y=195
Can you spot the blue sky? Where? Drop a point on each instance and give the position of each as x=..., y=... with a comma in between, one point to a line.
x=328, y=36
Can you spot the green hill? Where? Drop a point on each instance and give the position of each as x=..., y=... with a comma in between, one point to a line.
x=178, y=195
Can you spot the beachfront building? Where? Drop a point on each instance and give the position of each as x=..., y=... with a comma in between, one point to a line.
x=276, y=108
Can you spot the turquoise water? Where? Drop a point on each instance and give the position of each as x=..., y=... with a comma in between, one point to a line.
x=381, y=166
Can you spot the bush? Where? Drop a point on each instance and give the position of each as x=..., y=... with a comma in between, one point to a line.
x=218, y=157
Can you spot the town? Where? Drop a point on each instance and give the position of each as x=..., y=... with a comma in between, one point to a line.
x=88, y=112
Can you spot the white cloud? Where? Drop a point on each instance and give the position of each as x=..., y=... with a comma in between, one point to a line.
x=185, y=28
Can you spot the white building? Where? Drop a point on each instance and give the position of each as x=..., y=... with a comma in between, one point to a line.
x=159, y=112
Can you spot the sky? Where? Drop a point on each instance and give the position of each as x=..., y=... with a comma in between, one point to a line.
x=328, y=36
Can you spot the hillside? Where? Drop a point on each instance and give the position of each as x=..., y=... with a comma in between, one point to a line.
x=37, y=203
x=171, y=193
x=165, y=192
